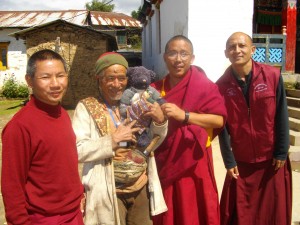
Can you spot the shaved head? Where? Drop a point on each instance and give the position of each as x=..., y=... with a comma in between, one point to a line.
x=239, y=34
x=239, y=51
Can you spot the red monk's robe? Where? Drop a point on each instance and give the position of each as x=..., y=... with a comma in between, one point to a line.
x=184, y=159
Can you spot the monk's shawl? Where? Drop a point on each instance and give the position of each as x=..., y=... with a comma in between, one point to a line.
x=185, y=144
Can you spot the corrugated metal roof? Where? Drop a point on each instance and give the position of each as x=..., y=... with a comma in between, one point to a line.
x=23, y=33
x=34, y=18
x=113, y=19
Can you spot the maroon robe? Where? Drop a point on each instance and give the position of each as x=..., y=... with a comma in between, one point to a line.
x=184, y=162
x=250, y=199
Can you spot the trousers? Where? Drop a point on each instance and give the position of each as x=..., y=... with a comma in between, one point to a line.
x=134, y=208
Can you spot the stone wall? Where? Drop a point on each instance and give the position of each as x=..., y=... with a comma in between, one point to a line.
x=80, y=48
x=291, y=81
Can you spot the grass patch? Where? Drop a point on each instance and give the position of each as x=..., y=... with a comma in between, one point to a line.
x=8, y=107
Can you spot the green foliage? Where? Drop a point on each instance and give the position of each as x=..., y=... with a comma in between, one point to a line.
x=135, y=14
x=290, y=85
x=11, y=89
x=103, y=6
x=135, y=41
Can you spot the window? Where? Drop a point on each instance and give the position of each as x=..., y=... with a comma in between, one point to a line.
x=3, y=55
x=121, y=38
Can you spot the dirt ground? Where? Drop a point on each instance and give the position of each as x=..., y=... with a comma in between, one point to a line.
x=219, y=173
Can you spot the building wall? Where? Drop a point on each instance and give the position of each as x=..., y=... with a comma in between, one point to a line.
x=16, y=57
x=15, y=45
x=210, y=25
x=207, y=23
x=171, y=24
x=80, y=49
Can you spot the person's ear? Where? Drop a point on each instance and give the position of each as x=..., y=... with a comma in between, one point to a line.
x=29, y=81
x=253, y=48
x=192, y=58
x=226, y=54
x=165, y=57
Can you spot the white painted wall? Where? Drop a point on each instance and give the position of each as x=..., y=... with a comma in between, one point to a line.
x=210, y=25
x=207, y=24
x=15, y=45
x=17, y=67
x=16, y=57
x=174, y=20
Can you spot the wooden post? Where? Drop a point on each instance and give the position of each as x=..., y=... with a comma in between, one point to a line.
x=289, y=19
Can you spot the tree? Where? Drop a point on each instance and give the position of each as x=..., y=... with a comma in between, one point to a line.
x=135, y=14
x=103, y=6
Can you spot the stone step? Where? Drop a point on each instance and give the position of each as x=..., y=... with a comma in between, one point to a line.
x=294, y=138
x=294, y=155
x=294, y=102
x=294, y=124
x=293, y=93
x=294, y=112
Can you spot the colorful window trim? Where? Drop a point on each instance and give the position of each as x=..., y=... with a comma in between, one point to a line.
x=269, y=18
x=3, y=55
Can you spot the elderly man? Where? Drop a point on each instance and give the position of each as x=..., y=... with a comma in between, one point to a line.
x=115, y=171
x=255, y=143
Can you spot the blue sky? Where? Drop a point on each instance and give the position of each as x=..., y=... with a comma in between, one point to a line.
x=121, y=6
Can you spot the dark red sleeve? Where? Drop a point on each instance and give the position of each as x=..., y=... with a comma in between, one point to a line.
x=15, y=166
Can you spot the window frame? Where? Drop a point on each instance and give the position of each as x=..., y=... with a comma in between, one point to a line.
x=4, y=62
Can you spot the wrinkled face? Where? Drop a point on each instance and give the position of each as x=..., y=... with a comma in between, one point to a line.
x=49, y=82
x=113, y=82
x=239, y=49
x=178, y=58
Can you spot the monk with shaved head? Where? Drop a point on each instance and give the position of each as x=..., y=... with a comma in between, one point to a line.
x=255, y=141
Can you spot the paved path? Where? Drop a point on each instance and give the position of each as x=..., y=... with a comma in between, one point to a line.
x=220, y=172
x=220, y=175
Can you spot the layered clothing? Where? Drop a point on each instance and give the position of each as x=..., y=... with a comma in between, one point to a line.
x=184, y=159
x=256, y=132
x=40, y=165
x=94, y=144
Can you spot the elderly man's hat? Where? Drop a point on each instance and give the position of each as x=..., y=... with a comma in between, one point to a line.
x=110, y=58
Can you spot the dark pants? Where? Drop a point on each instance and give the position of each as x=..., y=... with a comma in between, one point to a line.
x=134, y=208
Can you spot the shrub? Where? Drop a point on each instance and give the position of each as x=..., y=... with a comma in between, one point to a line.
x=135, y=41
x=11, y=89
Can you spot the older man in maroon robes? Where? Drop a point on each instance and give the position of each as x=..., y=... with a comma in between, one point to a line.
x=255, y=143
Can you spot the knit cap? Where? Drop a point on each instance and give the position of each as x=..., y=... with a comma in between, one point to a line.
x=110, y=58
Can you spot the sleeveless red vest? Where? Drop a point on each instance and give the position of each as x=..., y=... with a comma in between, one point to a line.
x=251, y=128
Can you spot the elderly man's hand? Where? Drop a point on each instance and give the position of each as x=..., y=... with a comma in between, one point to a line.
x=124, y=133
